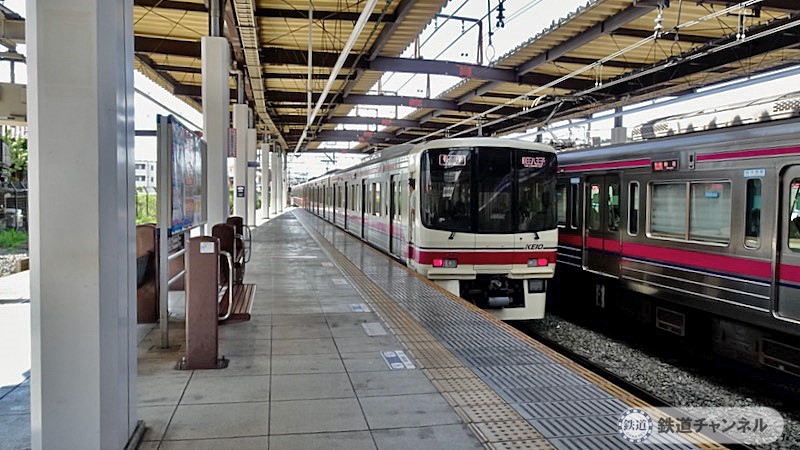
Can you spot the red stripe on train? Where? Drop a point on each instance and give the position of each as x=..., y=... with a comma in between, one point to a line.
x=607, y=165
x=789, y=273
x=485, y=258
x=717, y=263
x=749, y=154
x=570, y=239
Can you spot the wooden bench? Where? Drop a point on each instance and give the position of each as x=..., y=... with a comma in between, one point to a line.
x=235, y=298
x=243, y=295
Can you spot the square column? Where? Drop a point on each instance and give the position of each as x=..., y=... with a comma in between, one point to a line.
x=241, y=122
x=273, y=179
x=82, y=238
x=216, y=121
x=265, y=197
x=281, y=180
x=252, y=165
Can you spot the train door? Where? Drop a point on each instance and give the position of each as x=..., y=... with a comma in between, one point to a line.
x=346, y=207
x=394, y=213
x=786, y=279
x=601, y=247
x=363, y=209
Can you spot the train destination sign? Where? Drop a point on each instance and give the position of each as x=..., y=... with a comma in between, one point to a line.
x=667, y=165
x=453, y=160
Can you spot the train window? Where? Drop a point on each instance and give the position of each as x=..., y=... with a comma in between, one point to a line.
x=752, y=221
x=710, y=215
x=376, y=199
x=561, y=203
x=668, y=209
x=613, y=207
x=594, y=207
x=574, y=205
x=446, y=185
x=536, y=192
x=633, y=208
x=794, y=216
x=398, y=201
x=495, y=192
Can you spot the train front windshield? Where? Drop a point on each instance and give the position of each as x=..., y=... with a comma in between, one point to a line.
x=488, y=190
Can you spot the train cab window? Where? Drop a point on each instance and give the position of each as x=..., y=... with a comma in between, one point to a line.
x=633, y=208
x=593, y=222
x=794, y=216
x=561, y=204
x=752, y=221
x=613, y=207
x=446, y=188
x=710, y=215
x=668, y=209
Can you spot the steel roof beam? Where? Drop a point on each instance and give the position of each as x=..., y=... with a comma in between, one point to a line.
x=299, y=76
x=641, y=34
x=695, y=61
x=348, y=136
x=171, y=68
x=351, y=120
x=166, y=46
x=607, y=26
x=772, y=5
x=270, y=13
x=167, y=4
x=420, y=66
x=401, y=11
x=299, y=98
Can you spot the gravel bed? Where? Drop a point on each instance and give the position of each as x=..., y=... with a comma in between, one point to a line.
x=8, y=262
x=677, y=386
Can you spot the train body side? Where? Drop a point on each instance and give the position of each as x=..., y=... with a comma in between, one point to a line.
x=703, y=222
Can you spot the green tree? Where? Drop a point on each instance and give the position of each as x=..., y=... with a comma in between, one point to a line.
x=18, y=152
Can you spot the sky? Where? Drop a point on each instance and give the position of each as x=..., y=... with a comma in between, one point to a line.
x=445, y=39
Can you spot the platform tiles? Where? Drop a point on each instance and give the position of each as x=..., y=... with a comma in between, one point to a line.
x=511, y=390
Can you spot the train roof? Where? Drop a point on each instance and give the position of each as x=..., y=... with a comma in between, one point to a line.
x=774, y=132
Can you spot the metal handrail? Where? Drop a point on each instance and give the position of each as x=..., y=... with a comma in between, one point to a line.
x=230, y=284
x=249, y=247
x=177, y=254
x=176, y=277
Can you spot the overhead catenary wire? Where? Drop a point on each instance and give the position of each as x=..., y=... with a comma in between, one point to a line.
x=710, y=16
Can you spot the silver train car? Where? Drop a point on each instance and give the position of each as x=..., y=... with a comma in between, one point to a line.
x=695, y=234
x=484, y=221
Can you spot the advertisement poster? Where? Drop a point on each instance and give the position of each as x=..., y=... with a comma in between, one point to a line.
x=187, y=179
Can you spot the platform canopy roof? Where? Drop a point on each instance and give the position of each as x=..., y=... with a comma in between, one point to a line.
x=601, y=55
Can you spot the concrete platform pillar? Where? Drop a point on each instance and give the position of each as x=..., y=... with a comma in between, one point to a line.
x=281, y=180
x=241, y=116
x=216, y=122
x=252, y=165
x=265, y=196
x=82, y=236
x=274, y=176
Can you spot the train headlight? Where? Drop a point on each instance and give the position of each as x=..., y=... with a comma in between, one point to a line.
x=446, y=263
x=538, y=262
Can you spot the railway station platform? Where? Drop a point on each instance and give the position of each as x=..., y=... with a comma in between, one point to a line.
x=347, y=349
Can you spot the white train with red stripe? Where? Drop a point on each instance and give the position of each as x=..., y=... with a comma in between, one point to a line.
x=484, y=226
x=695, y=234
